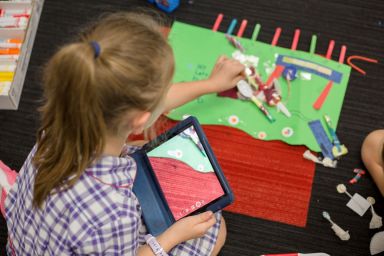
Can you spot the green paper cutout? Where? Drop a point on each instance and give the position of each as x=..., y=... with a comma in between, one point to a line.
x=196, y=51
x=184, y=150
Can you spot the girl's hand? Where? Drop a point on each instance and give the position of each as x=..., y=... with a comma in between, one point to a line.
x=225, y=74
x=192, y=227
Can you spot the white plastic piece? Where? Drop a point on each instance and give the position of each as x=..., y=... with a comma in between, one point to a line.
x=371, y=200
x=280, y=106
x=341, y=233
x=357, y=203
x=245, y=59
x=309, y=156
x=376, y=221
x=341, y=188
x=377, y=243
x=328, y=162
x=305, y=76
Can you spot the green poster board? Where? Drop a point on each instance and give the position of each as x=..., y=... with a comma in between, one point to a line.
x=196, y=51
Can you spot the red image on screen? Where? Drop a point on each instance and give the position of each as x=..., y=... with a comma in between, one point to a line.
x=185, y=188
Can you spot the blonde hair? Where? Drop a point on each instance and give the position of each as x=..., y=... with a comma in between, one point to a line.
x=86, y=95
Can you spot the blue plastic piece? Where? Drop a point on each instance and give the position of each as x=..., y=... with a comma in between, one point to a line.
x=290, y=73
x=166, y=5
x=321, y=138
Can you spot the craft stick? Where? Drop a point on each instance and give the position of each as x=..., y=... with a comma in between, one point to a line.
x=242, y=28
x=331, y=45
x=342, y=53
x=218, y=21
x=312, y=48
x=256, y=32
x=232, y=26
x=295, y=41
x=276, y=36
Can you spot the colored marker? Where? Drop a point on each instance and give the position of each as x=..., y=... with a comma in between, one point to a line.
x=218, y=22
x=9, y=51
x=232, y=26
x=246, y=90
x=263, y=109
x=295, y=40
x=11, y=40
x=6, y=76
x=342, y=53
x=256, y=32
x=276, y=36
x=312, y=48
x=243, y=25
x=331, y=45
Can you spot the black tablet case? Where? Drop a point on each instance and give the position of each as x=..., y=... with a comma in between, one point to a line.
x=156, y=212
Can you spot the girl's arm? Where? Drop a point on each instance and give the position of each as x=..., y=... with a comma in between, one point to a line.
x=225, y=74
x=183, y=230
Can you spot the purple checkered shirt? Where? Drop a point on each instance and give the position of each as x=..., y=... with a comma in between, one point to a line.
x=99, y=215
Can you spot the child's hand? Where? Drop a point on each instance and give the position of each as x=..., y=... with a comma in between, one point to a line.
x=192, y=227
x=225, y=74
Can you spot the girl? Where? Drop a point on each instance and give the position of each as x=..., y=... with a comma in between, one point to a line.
x=372, y=154
x=73, y=195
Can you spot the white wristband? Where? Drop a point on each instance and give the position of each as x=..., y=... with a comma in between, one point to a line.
x=155, y=246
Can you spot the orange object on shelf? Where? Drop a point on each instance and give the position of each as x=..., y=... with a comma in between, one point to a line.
x=10, y=51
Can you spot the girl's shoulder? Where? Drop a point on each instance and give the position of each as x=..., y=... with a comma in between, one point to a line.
x=103, y=194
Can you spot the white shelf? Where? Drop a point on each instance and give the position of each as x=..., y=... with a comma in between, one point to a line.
x=11, y=101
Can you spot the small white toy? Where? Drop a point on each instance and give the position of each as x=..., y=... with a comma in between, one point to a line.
x=357, y=203
x=341, y=233
x=376, y=221
x=377, y=243
x=327, y=162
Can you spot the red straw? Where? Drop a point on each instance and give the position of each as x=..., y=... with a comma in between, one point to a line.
x=320, y=100
x=350, y=58
x=217, y=22
x=342, y=53
x=242, y=28
x=330, y=49
x=295, y=39
x=276, y=36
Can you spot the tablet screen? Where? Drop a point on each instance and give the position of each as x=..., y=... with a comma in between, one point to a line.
x=185, y=173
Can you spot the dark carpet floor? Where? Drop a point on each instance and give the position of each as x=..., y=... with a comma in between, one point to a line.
x=358, y=24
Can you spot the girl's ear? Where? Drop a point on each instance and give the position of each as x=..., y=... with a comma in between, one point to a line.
x=139, y=122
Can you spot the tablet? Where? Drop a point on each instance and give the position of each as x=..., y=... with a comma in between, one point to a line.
x=178, y=175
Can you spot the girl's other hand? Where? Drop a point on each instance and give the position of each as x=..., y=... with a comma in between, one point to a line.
x=192, y=227
x=225, y=74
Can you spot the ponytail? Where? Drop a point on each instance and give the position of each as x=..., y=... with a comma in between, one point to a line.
x=69, y=138
x=123, y=63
